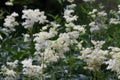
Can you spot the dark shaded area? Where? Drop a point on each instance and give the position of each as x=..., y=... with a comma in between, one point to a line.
x=49, y=6
x=109, y=4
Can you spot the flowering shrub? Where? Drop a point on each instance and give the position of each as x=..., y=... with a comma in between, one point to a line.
x=61, y=48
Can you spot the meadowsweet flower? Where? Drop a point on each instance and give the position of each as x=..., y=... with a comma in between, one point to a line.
x=72, y=6
x=42, y=36
x=45, y=27
x=26, y=37
x=27, y=63
x=93, y=13
x=102, y=14
x=68, y=16
x=118, y=9
x=13, y=64
x=114, y=21
x=9, y=3
x=10, y=73
x=99, y=18
x=32, y=70
x=33, y=16
x=94, y=56
x=7, y=72
x=94, y=26
x=114, y=62
x=10, y=23
x=68, y=13
x=50, y=56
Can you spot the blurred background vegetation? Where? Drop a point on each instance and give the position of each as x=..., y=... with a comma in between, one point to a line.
x=54, y=7
x=49, y=6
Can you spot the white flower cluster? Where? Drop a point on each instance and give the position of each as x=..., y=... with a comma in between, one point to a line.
x=70, y=18
x=13, y=64
x=9, y=74
x=68, y=13
x=114, y=61
x=62, y=44
x=10, y=23
x=42, y=42
x=33, y=16
x=116, y=19
x=9, y=3
x=93, y=13
x=94, y=26
x=54, y=49
x=50, y=50
x=31, y=70
x=94, y=56
x=99, y=20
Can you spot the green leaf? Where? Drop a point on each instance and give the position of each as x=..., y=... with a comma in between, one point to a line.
x=60, y=1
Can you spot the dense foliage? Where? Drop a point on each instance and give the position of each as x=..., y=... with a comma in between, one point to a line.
x=59, y=40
